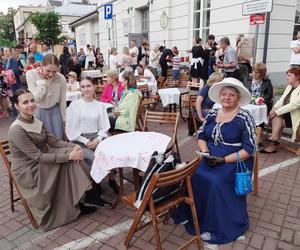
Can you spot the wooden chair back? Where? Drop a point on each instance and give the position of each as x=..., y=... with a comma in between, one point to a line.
x=152, y=117
x=144, y=89
x=161, y=82
x=197, y=85
x=180, y=176
x=192, y=108
x=256, y=164
x=5, y=151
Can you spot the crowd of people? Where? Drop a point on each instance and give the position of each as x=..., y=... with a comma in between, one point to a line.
x=46, y=166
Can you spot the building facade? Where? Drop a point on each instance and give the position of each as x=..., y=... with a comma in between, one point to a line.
x=175, y=22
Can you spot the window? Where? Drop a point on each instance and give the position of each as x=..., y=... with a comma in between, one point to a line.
x=297, y=20
x=201, y=18
x=145, y=20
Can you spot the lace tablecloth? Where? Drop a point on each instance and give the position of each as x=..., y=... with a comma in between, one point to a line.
x=169, y=96
x=91, y=73
x=72, y=96
x=258, y=112
x=132, y=149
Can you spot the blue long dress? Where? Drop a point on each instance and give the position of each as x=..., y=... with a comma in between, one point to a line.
x=222, y=214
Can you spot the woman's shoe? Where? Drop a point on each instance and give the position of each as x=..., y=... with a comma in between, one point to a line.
x=93, y=198
x=86, y=209
x=114, y=186
x=274, y=142
x=263, y=151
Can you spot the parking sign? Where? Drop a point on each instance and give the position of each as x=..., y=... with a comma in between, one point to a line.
x=108, y=11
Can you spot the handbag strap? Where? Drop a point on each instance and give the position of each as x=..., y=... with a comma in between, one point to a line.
x=240, y=164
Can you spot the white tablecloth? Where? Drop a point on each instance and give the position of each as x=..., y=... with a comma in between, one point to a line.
x=259, y=112
x=91, y=73
x=152, y=86
x=169, y=96
x=72, y=96
x=132, y=149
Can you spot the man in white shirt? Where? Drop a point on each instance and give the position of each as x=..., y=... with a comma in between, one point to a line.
x=133, y=52
x=295, y=51
x=143, y=74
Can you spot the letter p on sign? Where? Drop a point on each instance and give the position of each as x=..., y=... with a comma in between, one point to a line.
x=108, y=11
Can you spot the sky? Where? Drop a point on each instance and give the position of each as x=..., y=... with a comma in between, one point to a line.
x=5, y=4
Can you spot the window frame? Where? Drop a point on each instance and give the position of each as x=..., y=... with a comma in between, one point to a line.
x=205, y=9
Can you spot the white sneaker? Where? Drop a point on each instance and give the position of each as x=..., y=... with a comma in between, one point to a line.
x=241, y=237
x=208, y=246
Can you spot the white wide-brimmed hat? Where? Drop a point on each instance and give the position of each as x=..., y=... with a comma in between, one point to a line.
x=214, y=91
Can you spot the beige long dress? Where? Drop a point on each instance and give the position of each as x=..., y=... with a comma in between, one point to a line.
x=51, y=184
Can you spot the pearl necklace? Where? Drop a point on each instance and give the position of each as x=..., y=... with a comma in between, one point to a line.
x=227, y=114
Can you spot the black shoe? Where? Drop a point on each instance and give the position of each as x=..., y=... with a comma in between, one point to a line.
x=93, y=198
x=263, y=151
x=114, y=186
x=86, y=209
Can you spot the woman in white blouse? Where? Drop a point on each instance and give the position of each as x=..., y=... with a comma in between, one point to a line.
x=88, y=123
x=48, y=87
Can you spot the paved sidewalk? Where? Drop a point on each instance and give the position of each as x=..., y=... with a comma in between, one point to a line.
x=274, y=214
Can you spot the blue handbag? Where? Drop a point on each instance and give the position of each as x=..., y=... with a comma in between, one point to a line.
x=243, y=178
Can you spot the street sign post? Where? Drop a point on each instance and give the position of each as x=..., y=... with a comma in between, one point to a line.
x=256, y=7
x=108, y=15
x=257, y=19
x=256, y=10
x=108, y=11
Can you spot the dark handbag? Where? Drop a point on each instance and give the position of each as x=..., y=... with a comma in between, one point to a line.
x=159, y=163
x=243, y=178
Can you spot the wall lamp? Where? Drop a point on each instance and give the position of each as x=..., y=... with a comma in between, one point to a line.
x=150, y=2
x=129, y=9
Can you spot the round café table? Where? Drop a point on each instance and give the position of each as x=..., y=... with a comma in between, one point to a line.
x=131, y=149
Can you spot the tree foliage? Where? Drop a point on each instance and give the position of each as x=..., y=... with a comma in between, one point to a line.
x=7, y=29
x=47, y=24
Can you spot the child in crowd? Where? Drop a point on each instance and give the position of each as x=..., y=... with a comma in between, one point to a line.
x=72, y=84
x=176, y=66
x=30, y=63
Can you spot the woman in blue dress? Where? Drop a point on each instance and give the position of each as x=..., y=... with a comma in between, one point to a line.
x=221, y=213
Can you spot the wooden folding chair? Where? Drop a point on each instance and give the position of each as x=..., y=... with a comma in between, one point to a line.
x=181, y=177
x=256, y=165
x=164, y=118
x=5, y=151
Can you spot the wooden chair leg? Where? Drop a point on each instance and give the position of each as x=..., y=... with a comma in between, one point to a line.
x=194, y=213
x=11, y=194
x=133, y=228
x=30, y=216
x=155, y=225
x=255, y=175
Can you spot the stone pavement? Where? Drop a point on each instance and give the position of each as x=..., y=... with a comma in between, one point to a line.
x=274, y=214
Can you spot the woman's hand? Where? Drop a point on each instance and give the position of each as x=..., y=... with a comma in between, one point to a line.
x=113, y=103
x=76, y=154
x=93, y=144
x=116, y=111
x=272, y=114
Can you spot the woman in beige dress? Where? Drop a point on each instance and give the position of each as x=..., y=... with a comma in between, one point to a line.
x=49, y=172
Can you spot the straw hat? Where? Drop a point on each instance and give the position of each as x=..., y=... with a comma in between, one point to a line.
x=72, y=73
x=214, y=91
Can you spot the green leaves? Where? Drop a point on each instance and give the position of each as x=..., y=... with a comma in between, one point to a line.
x=47, y=24
x=7, y=30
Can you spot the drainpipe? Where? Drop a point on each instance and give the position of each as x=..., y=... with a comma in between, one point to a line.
x=266, y=40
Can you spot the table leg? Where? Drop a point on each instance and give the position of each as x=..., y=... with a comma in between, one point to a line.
x=121, y=192
x=136, y=179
